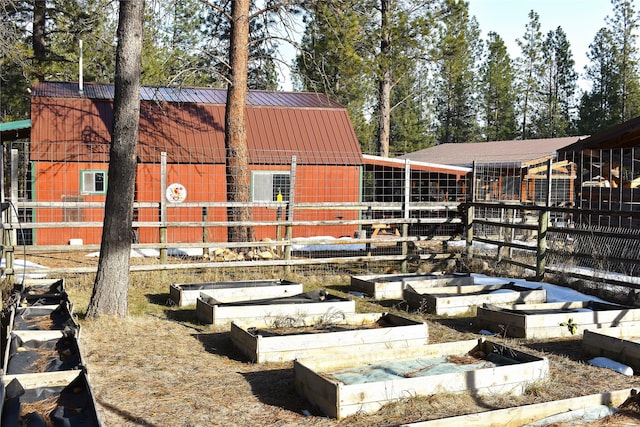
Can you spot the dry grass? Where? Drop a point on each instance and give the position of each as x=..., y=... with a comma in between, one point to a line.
x=160, y=367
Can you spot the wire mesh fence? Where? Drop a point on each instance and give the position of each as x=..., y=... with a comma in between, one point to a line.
x=323, y=203
x=328, y=205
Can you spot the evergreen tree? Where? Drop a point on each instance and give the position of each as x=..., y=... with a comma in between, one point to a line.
x=614, y=96
x=529, y=66
x=600, y=107
x=498, y=92
x=173, y=51
x=409, y=130
x=335, y=58
x=624, y=25
x=456, y=55
x=558, y=86
x=262, y=45
x=404, y=28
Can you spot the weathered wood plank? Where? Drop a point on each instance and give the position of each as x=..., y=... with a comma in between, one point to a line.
x=220, y=314
x=521, y=415
x=618, y=343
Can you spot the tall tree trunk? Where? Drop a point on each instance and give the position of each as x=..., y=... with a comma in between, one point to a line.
x=39, y=39
x=384, y=94
x=237, y=166
x=110, y=289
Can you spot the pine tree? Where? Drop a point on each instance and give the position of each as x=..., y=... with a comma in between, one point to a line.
x=335, y=59
x=614, y=96
x=558, y=86
x=497, y=92
x=456, y=55
x=600, y=107
x=409, y=130
x=529, y=72
x=624, y=24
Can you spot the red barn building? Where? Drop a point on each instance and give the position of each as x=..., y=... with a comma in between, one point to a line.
x=69, y=154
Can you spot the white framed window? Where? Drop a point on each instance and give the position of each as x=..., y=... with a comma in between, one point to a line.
x=93, y=182
x=266, y=185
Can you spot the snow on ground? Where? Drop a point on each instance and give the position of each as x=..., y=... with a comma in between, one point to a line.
x=332, y=244
x=555, y=293
x=19, y=264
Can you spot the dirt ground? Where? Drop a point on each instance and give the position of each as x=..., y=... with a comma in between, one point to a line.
x=160, y=367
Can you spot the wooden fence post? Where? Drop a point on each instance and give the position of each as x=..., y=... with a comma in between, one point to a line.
x=11, y=235
x=543, y=223
x=289, y=227
x=541, y=251
x=468, y=231
x=406, y=208
x=163, y=207
x=470, y=212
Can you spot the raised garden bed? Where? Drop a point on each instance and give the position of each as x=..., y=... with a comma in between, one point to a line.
x=458, y=300
x=532, y=414
x=391, y=286
x=42, y=291
x=558, y=319
x=365, y=382
x=621, y=344
x=50, y=399
x=184, y=294
x=44, y=317
x=210, y=310
x=279, y=340
x=37, y=352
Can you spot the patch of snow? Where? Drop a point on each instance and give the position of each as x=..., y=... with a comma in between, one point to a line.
x=575, y=417
x=555, y=293
x=19, y=264
x=332, y=244
x=604, y=362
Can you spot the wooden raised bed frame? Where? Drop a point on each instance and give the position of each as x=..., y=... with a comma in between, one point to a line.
x=554, y=320
x=459, y=300
x=391, y=332
x=617, y=343
x=211, y=311
x=520, y=415
x=339, y=400
x=184, y=294
x=390, y=286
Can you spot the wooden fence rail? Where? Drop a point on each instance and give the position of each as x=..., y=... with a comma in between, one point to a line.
x=404, y=241
x=503, y=220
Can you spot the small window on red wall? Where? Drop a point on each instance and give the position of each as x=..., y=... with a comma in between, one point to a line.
x=93, y=182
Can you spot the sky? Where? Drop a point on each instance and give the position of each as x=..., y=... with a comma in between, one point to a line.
x=579, y=19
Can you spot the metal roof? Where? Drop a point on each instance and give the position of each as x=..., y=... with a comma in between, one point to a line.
x=185, y=95
x=396, y=163
x=623, y=135
x=15, y=130
x=279, y=125
x=513, y=152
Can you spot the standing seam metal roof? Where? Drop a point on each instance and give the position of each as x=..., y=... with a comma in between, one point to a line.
x=311, y=126
x=186, y=95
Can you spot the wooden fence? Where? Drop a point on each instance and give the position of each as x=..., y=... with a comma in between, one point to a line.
x=378, y=240
x=557, y=240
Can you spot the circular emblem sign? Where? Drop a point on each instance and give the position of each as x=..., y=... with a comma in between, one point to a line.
x=176, y=193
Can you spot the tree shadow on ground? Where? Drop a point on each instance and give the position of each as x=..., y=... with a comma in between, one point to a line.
x=568, y=347
x=275, y=387
x=219, y=343
x=460, y=324
x=160, y=299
